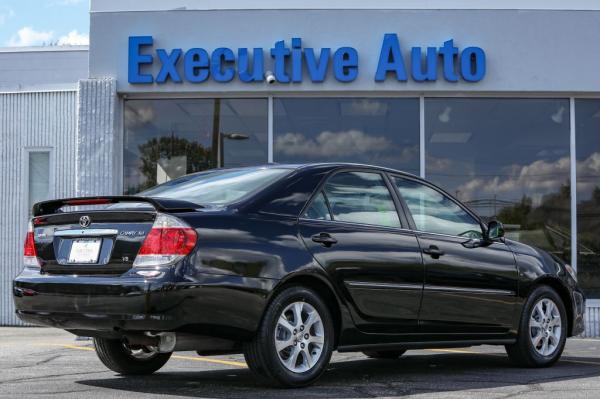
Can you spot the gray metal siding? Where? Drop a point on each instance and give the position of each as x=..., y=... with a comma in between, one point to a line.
x=28, y=120
x=97, y=142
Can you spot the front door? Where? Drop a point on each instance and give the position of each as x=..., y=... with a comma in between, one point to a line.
x=353, y=229
x=470, y=285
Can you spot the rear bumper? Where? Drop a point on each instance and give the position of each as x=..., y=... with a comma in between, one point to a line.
x=225, y=306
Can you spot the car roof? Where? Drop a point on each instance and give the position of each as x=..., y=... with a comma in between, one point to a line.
x=331, y=165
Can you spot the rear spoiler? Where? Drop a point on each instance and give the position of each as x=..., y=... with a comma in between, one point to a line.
x=160, y=204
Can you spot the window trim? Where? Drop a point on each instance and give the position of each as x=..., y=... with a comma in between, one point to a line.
x=27, y=151
x=312, y=200
x=409, y=216
x=320, y=188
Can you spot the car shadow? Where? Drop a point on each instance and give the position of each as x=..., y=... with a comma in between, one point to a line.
x=411, y=374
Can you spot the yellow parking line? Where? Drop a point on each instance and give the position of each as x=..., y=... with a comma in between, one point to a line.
x=452, y=351
x=244, y=365
x=217, y=361
x=197, y=359
x=81, y=348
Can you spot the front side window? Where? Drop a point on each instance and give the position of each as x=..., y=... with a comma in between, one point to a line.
x=217, y=187
x=361, y=197
x=436, y=213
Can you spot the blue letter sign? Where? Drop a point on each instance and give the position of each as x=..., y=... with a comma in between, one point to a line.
x=292, y=63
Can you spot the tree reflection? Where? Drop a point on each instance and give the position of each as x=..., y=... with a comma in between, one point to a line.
x=544, y=225
x=197, y=158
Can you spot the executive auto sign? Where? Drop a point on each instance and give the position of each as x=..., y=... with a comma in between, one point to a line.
x=294, y=63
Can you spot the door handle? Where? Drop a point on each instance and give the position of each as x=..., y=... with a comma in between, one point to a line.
x=325, y=239
x=433, y=251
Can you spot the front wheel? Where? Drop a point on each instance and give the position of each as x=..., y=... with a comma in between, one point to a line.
x=542, y=330
x=294, y=342
x=129, y=359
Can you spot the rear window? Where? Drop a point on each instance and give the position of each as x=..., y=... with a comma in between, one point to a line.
x=218, y=187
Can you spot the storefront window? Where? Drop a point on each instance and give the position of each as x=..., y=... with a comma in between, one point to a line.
x=165, y=139
x=507, y=159
x=587, y=117
x=380, y=131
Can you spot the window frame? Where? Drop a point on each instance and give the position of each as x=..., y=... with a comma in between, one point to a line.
x=27, y=151
x=310, y=203
x=425, y=183
x=404, y=223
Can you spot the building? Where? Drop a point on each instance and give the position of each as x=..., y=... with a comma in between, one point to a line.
x=499, y=105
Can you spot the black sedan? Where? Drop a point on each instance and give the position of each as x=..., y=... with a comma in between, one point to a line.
x=287, y=263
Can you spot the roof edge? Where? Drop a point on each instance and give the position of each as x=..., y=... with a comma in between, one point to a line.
x=100, y=6
x=35, y=49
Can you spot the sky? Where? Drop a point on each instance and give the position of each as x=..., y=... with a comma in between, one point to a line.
x=44, y=22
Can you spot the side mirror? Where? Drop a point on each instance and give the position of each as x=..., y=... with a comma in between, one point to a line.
x=495, y=230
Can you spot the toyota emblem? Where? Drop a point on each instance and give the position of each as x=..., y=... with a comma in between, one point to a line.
x=85, y=221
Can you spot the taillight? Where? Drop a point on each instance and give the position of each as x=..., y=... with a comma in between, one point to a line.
x=169, y=240
x=29, y=252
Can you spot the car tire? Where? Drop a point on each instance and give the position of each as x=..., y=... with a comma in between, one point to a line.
x=540, y=341
x=293, y=344
x=384, y=354
x=126, y=360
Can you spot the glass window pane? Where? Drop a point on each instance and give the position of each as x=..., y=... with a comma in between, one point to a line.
x=166, y=139
x=318, y=209
x=436, y=213
x=587, y=117
x=360, y=197
x=380, y=131
x=506, y=158
x=39, y=176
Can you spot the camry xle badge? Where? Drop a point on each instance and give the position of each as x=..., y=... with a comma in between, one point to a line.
x=85, y=221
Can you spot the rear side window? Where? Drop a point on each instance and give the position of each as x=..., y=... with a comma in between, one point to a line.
x=219, y=187
x=434, y=212
x=361, y=197
x=318, y=209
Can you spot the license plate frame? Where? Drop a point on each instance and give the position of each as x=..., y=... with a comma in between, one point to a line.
x=85, y=251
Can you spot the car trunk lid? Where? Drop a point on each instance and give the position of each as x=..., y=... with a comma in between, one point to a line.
x=95, y=241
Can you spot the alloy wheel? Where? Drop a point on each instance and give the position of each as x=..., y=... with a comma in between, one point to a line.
x=545, y=327
x=299, y=337
x=140, y=352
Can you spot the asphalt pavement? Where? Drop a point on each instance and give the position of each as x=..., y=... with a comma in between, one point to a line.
x=43, y=362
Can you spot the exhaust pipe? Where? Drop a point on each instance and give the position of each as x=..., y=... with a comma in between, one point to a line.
x=166, y=342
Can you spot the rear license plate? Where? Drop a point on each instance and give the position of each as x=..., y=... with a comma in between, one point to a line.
x=85, y=250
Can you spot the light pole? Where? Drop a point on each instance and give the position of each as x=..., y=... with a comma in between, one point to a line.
x=228, y=136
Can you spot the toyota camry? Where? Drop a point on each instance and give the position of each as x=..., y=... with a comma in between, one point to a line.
x=285, y=264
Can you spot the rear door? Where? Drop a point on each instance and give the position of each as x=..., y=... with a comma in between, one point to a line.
x=470, y=285
x=354, y=230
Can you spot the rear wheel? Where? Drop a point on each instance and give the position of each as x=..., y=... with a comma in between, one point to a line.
x=294, y=342
x=129, y=359
x=542, y=330
x=384, y=354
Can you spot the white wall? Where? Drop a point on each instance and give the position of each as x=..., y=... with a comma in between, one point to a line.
x=41, y=68
x=527, y=50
